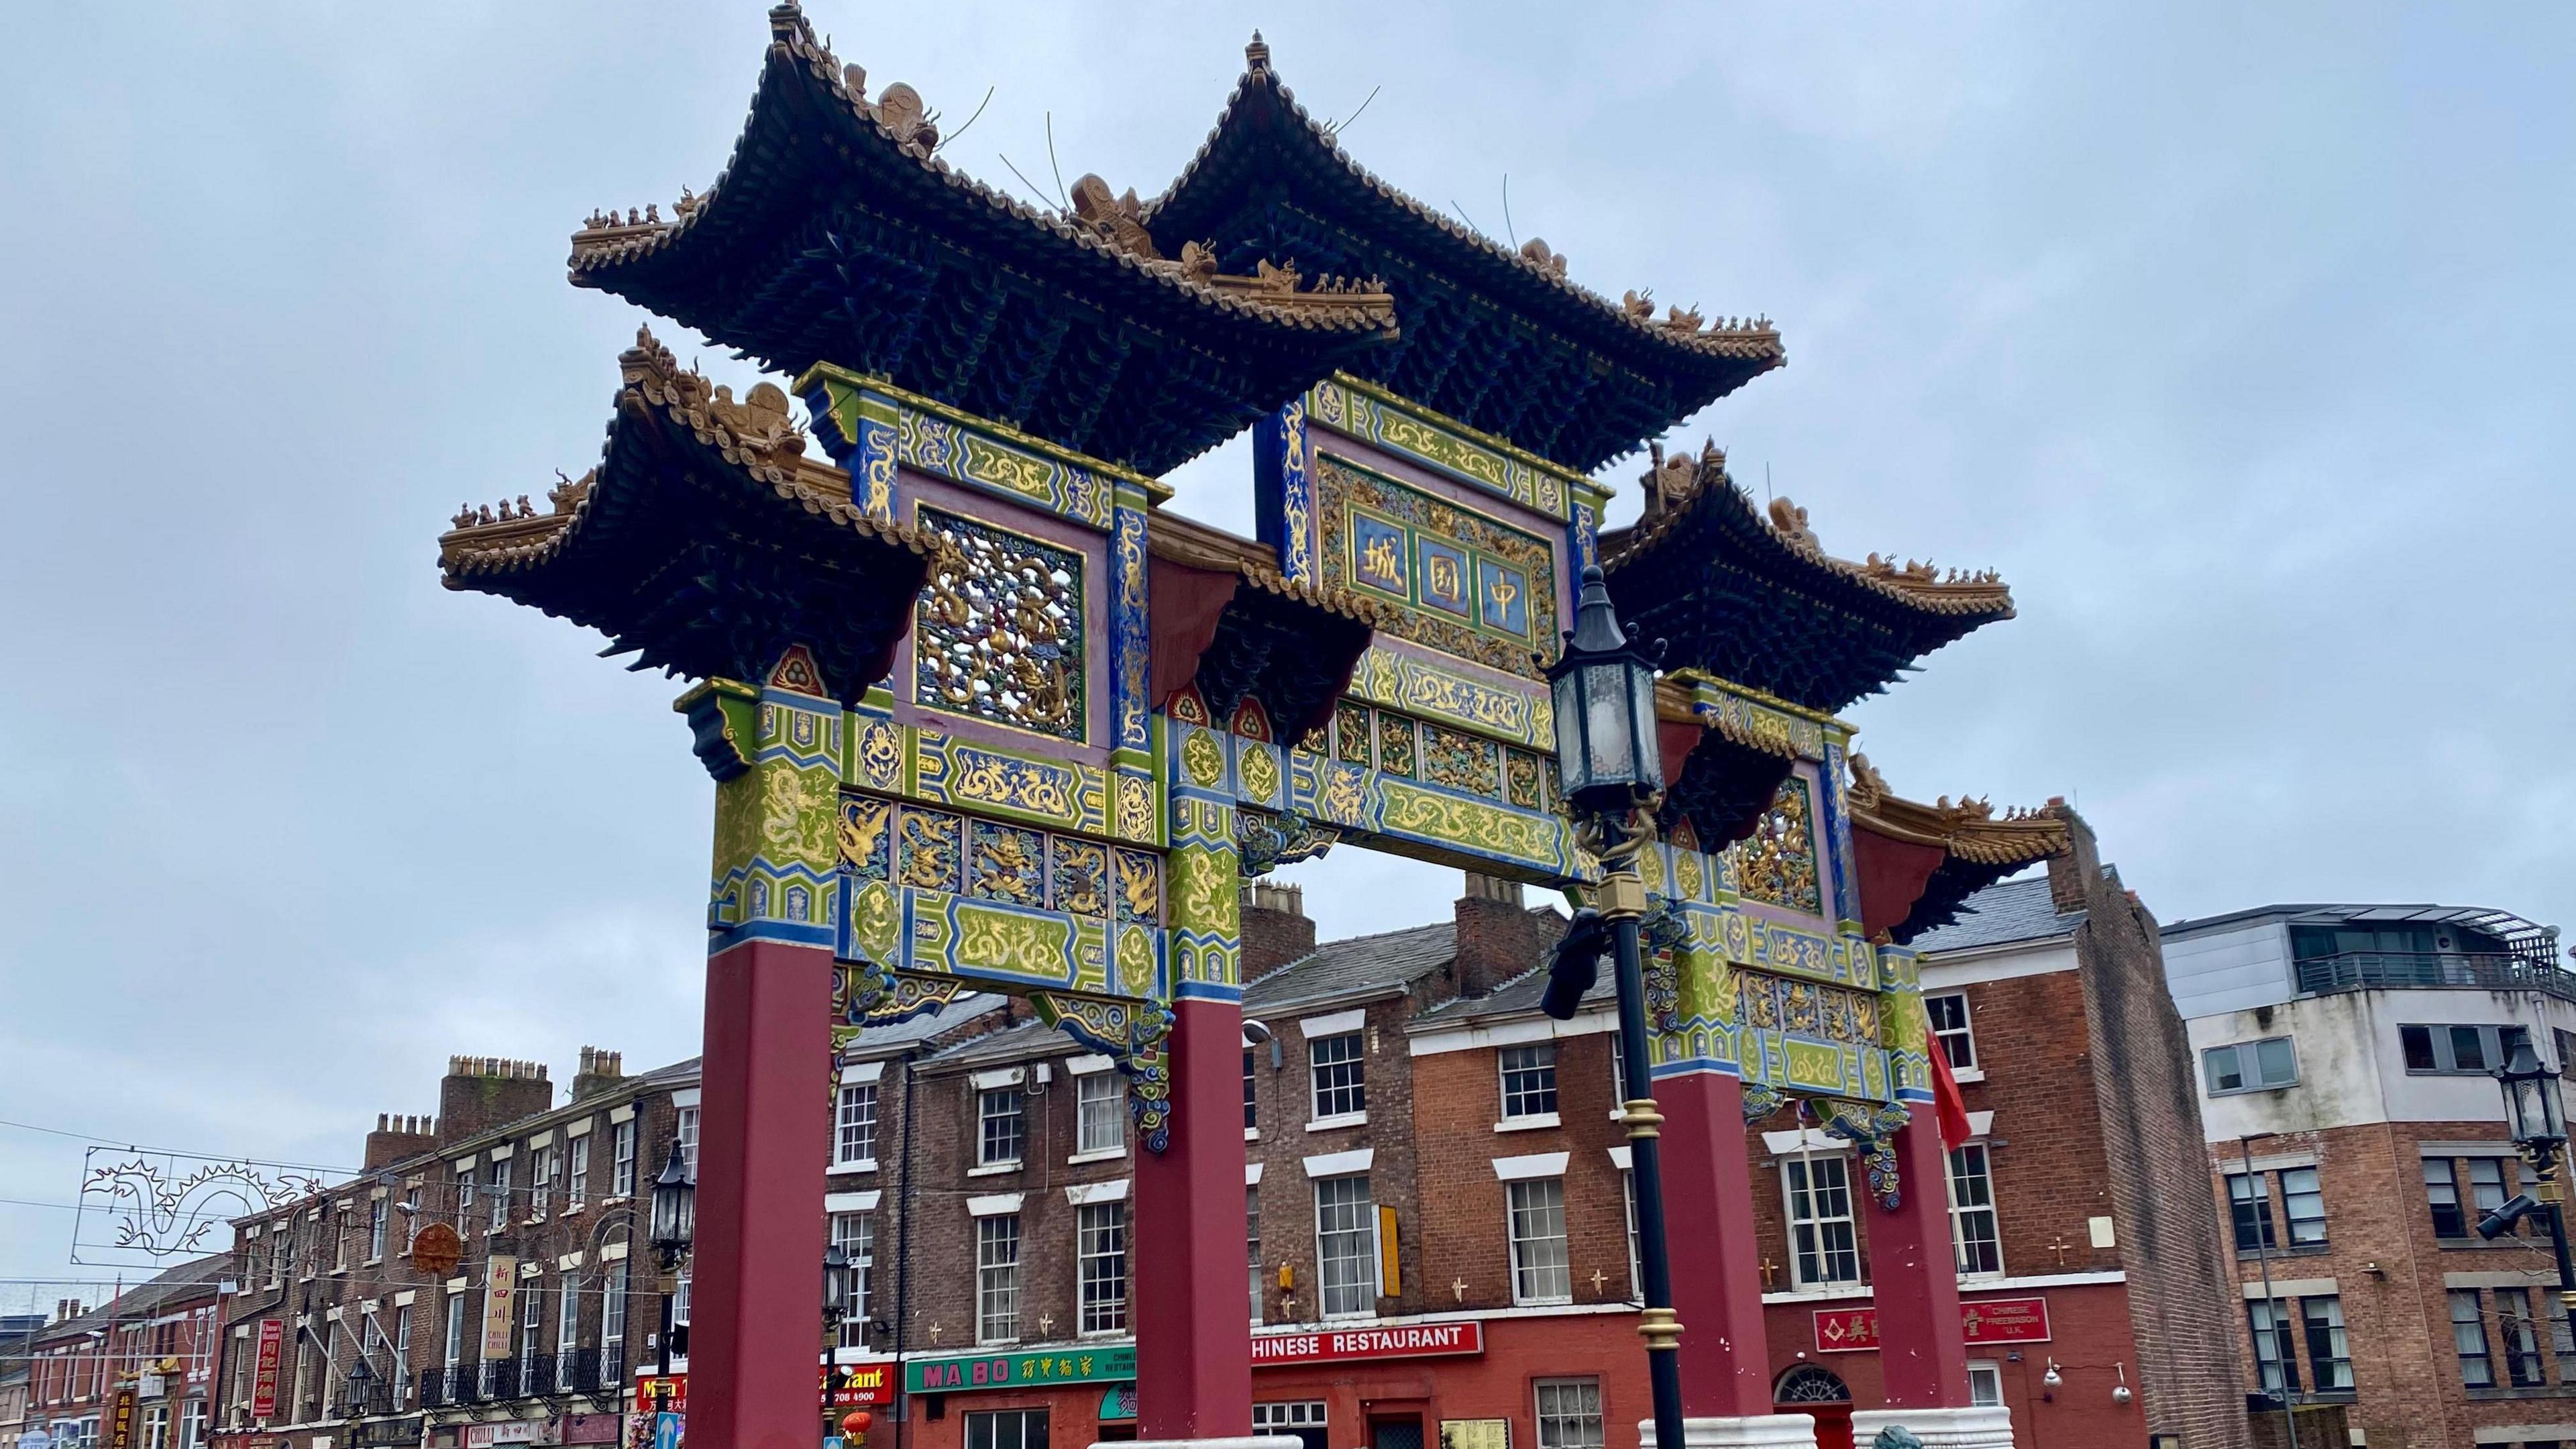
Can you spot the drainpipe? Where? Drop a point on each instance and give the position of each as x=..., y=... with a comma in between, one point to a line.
x=2271, y=1305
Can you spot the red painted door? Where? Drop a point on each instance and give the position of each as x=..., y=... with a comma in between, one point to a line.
x=1833, y=1423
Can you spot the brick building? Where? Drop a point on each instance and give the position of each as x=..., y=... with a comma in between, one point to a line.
x=2355, y=1137
x=1439, y=1224
x=336, y=1339
x=148, y=1353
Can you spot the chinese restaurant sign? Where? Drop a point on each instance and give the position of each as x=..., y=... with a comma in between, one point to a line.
x=1013, y=1370
x=1997, y=1320
x=263, y=1392
x=862, y=1385
x=1429, y=1340
x=120, y=1421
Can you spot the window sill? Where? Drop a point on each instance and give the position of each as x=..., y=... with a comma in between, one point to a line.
x=1531, y=1124
x=1251, y=1134
x=1335, y=1124
x=993, y=1169
x=1097, y=1154
x=855, y=1164
x=1965, y=1075
x=1541, y=1302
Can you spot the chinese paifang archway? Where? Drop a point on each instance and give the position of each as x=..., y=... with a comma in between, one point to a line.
x=983, y=716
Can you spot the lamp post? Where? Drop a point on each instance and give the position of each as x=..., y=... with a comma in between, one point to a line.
x=1610, y=771
x=2535, y=1112
x=836, y=1311
x=674, y=1227
x=361, y=1379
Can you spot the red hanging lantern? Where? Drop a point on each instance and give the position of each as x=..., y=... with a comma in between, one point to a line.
x=855, y=1424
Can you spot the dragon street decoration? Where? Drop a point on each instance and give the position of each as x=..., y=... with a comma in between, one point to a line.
x=169, y=1204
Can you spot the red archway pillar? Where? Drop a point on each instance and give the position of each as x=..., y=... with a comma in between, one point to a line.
x=1193, y=1333
x=756, y=1295
x=1914, y=1279
x=1717, y=1289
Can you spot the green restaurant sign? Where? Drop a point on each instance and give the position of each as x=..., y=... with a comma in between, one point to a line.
x=1017, y=1370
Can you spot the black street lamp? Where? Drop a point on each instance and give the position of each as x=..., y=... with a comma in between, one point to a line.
x=1610, y=768
x=836, y=1288
x=674, y=1226
x=361, y=1379
x=2535, y=1112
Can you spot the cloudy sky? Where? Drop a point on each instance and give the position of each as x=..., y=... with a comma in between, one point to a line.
x=2238, y=343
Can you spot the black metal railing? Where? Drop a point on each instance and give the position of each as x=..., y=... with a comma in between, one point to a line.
x=433, y=1389
x=2376, y=970
x=585, y=1370
x=537, y=1374
x=500, y=1379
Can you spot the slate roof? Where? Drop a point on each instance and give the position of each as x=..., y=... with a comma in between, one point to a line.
x=195, y=1278
x=1515, y=997
x=2002, y=913
x=894, y=1036
x=1019, y=1041
x=1386, y=961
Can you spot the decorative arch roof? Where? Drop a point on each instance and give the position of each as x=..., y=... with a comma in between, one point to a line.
x=837, y=233
x=1500, y=340
x=1919, y=863
x=1756, y=600
x=705, y=542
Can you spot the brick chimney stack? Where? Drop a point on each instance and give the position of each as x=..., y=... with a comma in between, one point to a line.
x=481, y=1092
x=1276, y=929
x=1498, y=937
x=600, y=1071
x=2068, y=869
x=397, y=1137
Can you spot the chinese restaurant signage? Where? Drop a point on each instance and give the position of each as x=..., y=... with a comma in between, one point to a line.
x=1014, y=1370
x=120, y=1421
x=500, y=1297
x=1994, y=1320
x=861, y=1385
x=263, y=1390
x=660, y=1393
x=508, y=1431
x=1426, y=1340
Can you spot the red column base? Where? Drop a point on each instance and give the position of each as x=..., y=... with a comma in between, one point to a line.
x=756, y=1284
x=1914, y=1277
x=1193, y=1335
x=1717, y=1290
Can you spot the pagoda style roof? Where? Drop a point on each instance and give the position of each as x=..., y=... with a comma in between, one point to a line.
x=1225, y=620
x=1756, y=600
x=1495, y=338
x=837, y=234
x=705, y=542
x=1919, y=863
x=1719, y=774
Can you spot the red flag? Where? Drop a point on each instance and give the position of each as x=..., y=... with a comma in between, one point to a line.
x=1947, y=1104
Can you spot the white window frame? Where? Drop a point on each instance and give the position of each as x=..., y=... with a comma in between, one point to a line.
x=997, y=1278
x=568, y=1318
x=1636, y=1262
x=855, y=1234
x=1964, y=1215
x=612, y=1319
x=685, y=1128
x=1533, y=1105
x=621, y=1172
x=1583, y=1396
x=1014, y=1106
x=377, y=1208
x=854, y=1127
x=1985, y=1383
x=1965, y=1032
x=1342, y=1094
x=1528, y=1204
x=990, y=1422
x=1324, y=1258
x=577, y=1176
x=1100, y=1256
x=499, y=1188
x=1252, y=1243
x=454, y=1348
x=1099, y=1092
x=1810, y=1168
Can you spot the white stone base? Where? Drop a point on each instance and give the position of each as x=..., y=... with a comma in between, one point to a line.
x=1985, y=1428
x=1753, y=1431
x=1248, y=1441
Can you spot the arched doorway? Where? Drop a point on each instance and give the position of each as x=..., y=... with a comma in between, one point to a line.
x=1821, y=1395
